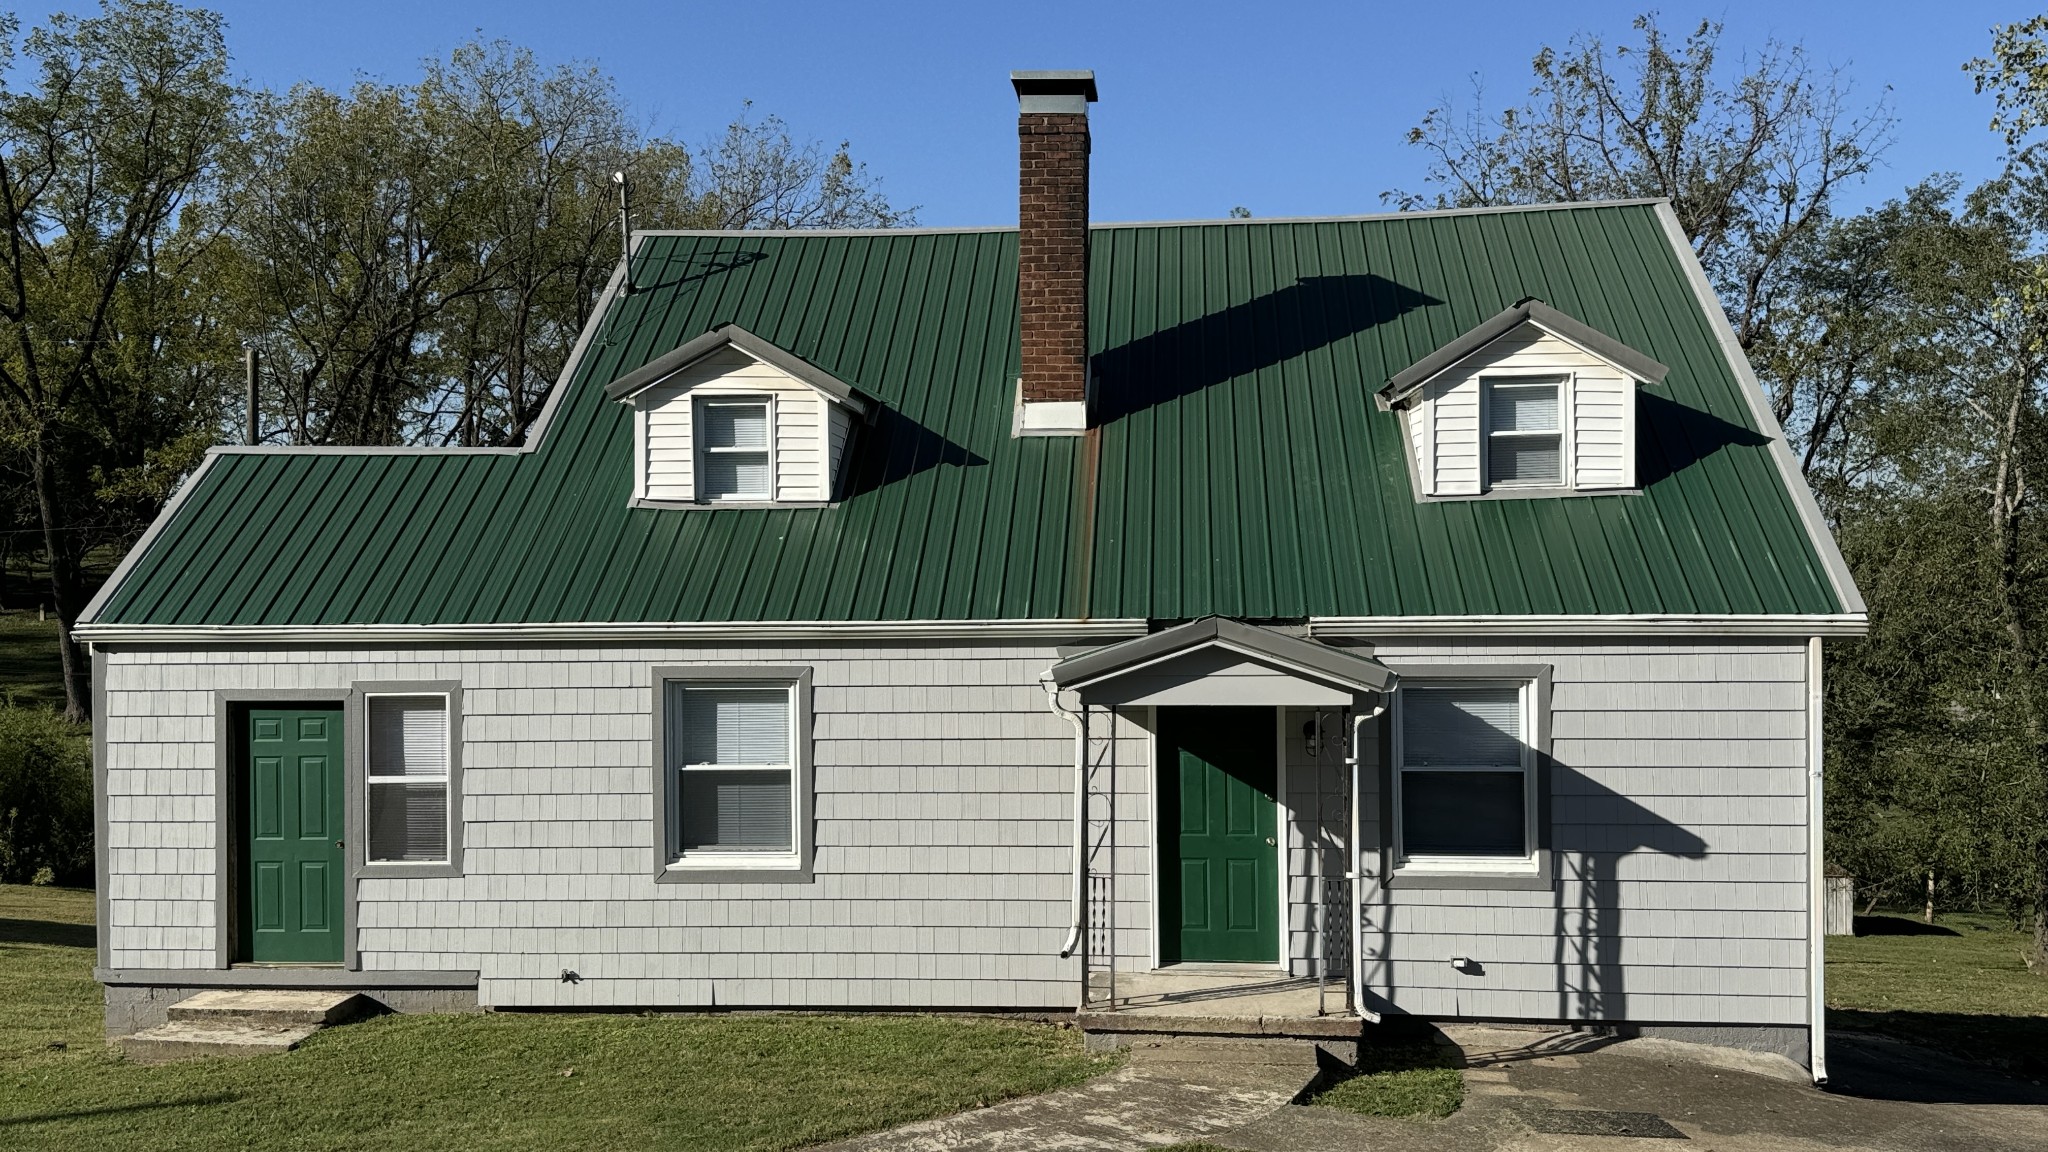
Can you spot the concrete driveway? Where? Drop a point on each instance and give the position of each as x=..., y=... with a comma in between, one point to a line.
x=1543, y=1092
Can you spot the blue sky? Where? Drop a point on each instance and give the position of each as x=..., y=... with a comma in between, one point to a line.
x=1289, y=109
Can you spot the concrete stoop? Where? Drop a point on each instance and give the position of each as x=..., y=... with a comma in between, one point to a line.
x=226, y=1022
x=1337, y=1036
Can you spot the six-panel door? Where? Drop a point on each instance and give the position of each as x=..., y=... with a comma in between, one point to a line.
x=1219, y=872
x=292, y=804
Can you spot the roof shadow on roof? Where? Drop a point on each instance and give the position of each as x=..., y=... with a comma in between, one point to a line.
x=1311, y=313
x=894, y=447
x=1682, y=436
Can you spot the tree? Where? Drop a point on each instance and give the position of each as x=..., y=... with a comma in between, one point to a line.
x=1751, y=163
x=416, y=261
x=102, y=320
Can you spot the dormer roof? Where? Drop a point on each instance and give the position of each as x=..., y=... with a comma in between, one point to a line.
x=1528, y=310
x=733, y=336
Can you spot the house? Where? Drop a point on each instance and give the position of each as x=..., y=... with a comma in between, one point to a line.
x=1424, y=605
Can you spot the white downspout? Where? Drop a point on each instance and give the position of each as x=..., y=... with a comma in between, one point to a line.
x=1356, y=874
x=1080, y=723
x=1816, y=879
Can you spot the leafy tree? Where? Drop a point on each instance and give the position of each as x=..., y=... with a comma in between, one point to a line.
x=1751, y=163
x=103, y=324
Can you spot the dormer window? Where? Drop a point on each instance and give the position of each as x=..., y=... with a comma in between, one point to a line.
x=730, y=419
x=1524, y=440
x=1530, y=403
x=732, y=441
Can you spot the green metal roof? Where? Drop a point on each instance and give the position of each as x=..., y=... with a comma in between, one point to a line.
x=1241, y=467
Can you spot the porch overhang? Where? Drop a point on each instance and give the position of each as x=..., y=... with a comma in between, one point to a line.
x=1219, y=661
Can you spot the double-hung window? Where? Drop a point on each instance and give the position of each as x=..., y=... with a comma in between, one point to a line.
x=1524, y=432
x=733, y=762
x=1465, y=775
x=408, y=778
x=734, y=453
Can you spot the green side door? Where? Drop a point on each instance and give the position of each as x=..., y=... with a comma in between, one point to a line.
x=291, y=871
x=1219, y=872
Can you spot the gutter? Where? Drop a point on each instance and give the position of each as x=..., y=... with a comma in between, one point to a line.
x=1080, y=723
x=1816, y=881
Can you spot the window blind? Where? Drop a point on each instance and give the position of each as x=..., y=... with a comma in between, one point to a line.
x=1524, y=408
x=1525, y=441
x=408, y=736
x=729, y=726
x=735, y=474
x=745, y=811
x=742, y=426
x=1462, y=727
x=407, y=767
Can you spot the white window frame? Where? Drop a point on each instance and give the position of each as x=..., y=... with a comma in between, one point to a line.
x=1563, y=382
x=671, y=863
x=1533, y=726
x=451, y=845
x=763, y=400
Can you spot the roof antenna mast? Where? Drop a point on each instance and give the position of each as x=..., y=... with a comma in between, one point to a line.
x=625, y=232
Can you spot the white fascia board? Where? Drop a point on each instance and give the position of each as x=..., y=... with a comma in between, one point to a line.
x=1266, y=659
x=602, y=633
x=1649, y=624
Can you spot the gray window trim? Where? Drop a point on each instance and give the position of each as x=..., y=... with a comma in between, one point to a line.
x=664, y=800
x=1545, y=876
x=359, y=864
x=224, y=794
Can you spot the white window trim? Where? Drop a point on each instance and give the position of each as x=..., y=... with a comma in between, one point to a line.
x=1567, y=478
x=1533, y=722
x=729, y=859
x=450, y=863
x=672, y=864
x=698, y=404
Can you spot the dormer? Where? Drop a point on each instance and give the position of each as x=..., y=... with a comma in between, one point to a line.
x=1530, y=403
x=730, y=419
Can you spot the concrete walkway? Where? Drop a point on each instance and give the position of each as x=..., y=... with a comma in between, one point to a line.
x=1534, y=1092
x=1169, y=1092
x=1525, y=1092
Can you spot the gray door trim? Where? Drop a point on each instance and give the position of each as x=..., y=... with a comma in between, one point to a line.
x=226, y=845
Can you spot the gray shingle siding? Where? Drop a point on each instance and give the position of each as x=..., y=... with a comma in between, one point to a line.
x=943, y=825
x=943, y=828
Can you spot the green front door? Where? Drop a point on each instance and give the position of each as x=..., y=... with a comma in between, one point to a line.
x=291, y=812
x=1219, y=871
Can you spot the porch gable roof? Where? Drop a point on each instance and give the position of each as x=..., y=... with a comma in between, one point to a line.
x=1304, y=659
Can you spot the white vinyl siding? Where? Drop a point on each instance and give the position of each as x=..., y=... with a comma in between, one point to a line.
x=839, y=426
x=407, y=780
x=732, y=748
x=1464, y=790
x=670, y=452
x=1453, y=415
x=1448, y=423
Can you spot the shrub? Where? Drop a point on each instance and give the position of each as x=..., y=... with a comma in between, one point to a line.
x=45, y=798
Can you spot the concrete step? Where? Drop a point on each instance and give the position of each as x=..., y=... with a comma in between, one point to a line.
x=1151, y=1021
x=267, y=1008
x=240, y=1022
x=192, y=1041
x=1223, y=1051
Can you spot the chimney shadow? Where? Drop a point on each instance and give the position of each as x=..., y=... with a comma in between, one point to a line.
x=1313, y=312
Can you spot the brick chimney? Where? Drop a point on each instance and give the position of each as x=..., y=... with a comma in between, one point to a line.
x=1052, y=250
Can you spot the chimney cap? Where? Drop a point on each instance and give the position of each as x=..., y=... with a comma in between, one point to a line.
x=1054, y=90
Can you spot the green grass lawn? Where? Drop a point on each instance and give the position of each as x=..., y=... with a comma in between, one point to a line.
x=1969, y=993
x=1413, y=1080
x=31, y=671
x=553, y=1082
